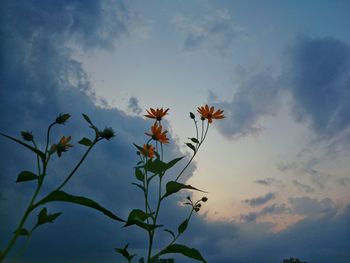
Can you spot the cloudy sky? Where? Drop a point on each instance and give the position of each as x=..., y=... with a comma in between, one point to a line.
x=276, y=169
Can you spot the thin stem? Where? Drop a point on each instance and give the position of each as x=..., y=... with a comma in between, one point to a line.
x=78, y=165
x=37, y=158
x=48, y=137
x=203, y=136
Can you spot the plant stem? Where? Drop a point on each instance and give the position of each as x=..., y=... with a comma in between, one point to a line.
x=77, y=166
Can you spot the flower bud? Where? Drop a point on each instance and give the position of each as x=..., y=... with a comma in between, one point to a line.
x=62, y=118
x=107, y=133
x=27, y=136
x=196, y=209
x=192, y=116
x=204, y=199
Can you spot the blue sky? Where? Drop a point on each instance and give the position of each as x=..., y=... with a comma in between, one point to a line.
x=276, y=168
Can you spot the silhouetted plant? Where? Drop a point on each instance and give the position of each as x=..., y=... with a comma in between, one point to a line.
x=43, y=158
x=152, y=166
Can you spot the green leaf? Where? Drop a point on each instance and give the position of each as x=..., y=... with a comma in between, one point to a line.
x=138, y=147
x=124, y=252
x=40, y=153
x=194, y=140
x=26, y=176
x=159, y=167
x=87, y=118
x=173, y=187
x=44, y=217
x=181, y=249
x=174, y=161
x=85, y=141
x=190, y=145
x=60, y=196
x=183, y=226
x=170, y=232
x=22, y=232
x=137, y=217
x=139, y=175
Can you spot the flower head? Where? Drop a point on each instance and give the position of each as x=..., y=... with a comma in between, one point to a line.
x=62, y=118
x=148, y=151
x=157, y=133
x=209, y=114
x=27, y=136
x=157, y=114
x=61, y=146
x=107, y=133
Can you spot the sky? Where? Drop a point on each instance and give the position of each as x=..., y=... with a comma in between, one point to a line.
x=276, y=169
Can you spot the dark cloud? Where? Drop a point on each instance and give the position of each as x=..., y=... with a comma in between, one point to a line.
x=260, y=200
x=273, y=209
x=312, y=207
x=266, y=181
x=318, y=77
x=133, y=105
x=40, y=79
x=304, y=187
x=344, y=181
x=216, y=32
x=254, y=98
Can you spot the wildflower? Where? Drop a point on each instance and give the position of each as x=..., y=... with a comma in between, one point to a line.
x=208, y=113
x=157, y=114
x=27, y=136
x=157, y=133
x=62, y=118
x=62, y=146
x=148, y=151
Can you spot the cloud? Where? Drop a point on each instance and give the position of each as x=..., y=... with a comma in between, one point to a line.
x=267, y=181
x=256, y=97
x=40, y=79
x=216, y=32
x=257, y=201
x=133, y=105
x=304, y=187
x=318, y=77
x=312, y=207
x=273, y=209
x=344, y=181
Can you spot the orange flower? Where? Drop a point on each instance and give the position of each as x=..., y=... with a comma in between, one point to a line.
x=62, y=146
x=157, y=133
x=157, y=114
x=208, y=113
x=148, y=151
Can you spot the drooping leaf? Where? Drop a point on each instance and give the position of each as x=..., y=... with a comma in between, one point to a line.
x=44, y=217
x=124, y=252
x=173, y=187
x=170, y=232
x=22, y=232
x=85, y=141
x=194, y=140
x=61, y=196
x=26, y=176
x=181, y=249
x=190, y=145
x=139, y=175
x=183, y=226
x=173, y=162
x=40, y=153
